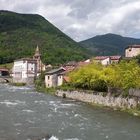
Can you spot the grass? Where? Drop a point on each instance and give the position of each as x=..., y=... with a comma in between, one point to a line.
x=18, y=84
x=7, y=65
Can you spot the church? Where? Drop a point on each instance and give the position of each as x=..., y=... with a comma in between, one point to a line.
x=25, y=70
x=37, y=57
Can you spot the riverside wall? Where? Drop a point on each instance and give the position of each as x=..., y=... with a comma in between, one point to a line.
x=115, y=102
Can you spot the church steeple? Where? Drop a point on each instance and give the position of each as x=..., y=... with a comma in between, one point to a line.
x=37, y=57
x=37, y=53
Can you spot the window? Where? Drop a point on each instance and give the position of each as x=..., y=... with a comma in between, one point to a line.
x=48, y=77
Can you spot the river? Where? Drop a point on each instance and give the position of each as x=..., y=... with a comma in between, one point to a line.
x=28, y=115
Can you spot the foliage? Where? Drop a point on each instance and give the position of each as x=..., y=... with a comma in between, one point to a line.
x=88, y=77
x=7, y=66
x=137, y=58
x=66, y=87
x=23, y=32
x=18, y=84
x=40, y=81
x=124, y=75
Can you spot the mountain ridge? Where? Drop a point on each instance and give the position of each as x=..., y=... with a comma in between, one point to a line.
x=108, y=44
x=23, y=32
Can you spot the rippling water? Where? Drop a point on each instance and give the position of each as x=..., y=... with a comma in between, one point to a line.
x=26, y=114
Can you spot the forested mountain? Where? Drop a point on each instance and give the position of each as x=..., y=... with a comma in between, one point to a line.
x=21, y=33
x=108, y=44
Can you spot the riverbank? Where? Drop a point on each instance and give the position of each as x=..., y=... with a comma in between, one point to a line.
x=130, y=105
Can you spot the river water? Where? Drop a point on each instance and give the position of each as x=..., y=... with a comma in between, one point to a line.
x=28, y=115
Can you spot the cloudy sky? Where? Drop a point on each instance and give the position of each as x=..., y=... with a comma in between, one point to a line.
x=82, y=19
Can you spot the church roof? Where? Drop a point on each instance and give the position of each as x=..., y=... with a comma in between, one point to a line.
x=58, y=71
x=37, y=53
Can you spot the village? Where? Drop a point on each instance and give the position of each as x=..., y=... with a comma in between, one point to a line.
x=26, y=70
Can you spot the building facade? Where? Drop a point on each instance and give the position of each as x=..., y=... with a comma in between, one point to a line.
x=24, y=71
x=132, y=50
x=54, y=78
x=107, y=60
x=104, y=60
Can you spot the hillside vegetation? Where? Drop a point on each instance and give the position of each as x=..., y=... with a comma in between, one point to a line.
x=21, y=33
x=108, y=44
x=99, y=78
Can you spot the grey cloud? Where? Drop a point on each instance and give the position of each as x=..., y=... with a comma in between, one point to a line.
x=130, y=25
x=82, y=19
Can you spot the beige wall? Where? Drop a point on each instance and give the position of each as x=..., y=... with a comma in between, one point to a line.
x=53, y=80
x=60, y=80
x=48, y=81
x=106, y=61
x=131, y=52
x=20, y=71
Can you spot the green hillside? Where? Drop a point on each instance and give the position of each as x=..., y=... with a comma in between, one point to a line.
x=108, y=44
x=21, y=33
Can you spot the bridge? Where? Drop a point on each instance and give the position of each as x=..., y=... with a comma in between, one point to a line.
x=5, y=79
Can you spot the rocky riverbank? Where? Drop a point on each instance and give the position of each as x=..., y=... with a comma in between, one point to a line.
x=114, y=102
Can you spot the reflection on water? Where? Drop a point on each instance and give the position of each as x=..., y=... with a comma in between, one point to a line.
x=26, y=115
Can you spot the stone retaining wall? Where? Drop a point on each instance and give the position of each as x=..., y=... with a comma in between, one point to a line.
x=117, y=102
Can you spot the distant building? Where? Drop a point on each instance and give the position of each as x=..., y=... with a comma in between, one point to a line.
x=4, y=72
x=84, y=63
x=37, y=57
x=115, y=58
x=24, y=71
x=70, y=66
x=132, y=50
x=54, y=77
x=107, y=60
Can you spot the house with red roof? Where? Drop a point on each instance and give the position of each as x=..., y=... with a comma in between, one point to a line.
x=107, y=60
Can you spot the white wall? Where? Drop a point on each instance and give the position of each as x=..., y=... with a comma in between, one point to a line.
x=106, y=61
x=53, y=80
x=20, y=71
x=48, y=81
x=131, y=52
x=60, y=80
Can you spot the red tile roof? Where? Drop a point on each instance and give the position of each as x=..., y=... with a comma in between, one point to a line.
x=83, y=63
x=4, y=69
x=66, y=79
x=117, y=57
x=101, y=57
x=69, y=68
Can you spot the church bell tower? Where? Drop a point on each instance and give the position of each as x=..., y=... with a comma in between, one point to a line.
x=37, y=57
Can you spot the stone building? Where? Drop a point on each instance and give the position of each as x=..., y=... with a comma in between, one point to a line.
x=132, y=50
x=24, y=71
x=54, y=77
